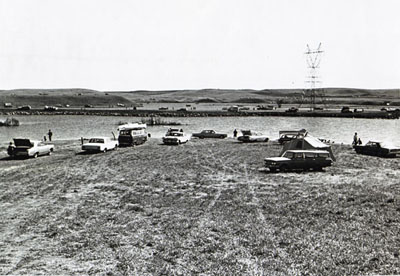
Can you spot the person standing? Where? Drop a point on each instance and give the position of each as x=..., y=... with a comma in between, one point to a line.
x=10, y=149
x=355, y=139
x=235, y=133
x=50, y=134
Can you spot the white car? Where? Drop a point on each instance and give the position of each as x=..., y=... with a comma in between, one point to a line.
x=251, y=136
x=175, y=138
x=29, y=148
x=100, y=144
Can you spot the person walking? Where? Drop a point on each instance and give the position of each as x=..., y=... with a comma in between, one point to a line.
x=235, y=133
x=50, y=134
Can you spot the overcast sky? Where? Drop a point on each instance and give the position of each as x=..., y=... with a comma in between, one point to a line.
x=177, y=44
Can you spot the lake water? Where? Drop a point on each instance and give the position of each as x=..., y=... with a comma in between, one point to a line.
x=340, y=130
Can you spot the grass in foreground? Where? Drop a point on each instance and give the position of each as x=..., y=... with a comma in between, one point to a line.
x=199, y=208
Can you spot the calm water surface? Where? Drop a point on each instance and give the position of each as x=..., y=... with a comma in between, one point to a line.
x=340, y=130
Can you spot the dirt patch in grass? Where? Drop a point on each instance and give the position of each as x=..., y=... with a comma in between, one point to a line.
x=199, y=208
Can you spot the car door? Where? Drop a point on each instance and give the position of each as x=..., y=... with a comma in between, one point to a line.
x=298, y=161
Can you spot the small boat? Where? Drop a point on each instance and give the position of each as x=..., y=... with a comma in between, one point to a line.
x=10, y=122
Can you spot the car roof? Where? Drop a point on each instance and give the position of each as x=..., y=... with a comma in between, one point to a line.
x=313, y=151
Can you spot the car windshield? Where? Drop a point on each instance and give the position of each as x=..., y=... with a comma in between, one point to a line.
x=176, y=134
x=288, y=155
x=96, y=140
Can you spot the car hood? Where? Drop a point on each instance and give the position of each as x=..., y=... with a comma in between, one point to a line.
x=275, y=159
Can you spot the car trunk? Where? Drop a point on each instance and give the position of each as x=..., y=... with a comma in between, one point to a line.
x=23, y=143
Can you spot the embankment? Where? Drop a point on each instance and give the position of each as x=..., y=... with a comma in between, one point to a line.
x=198, y=113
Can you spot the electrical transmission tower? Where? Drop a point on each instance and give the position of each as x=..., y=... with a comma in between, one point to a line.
x=313, y=58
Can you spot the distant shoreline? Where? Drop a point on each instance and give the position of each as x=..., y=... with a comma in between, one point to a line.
x=196, y=113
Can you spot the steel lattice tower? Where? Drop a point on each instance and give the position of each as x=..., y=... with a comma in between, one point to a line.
x=313, y=58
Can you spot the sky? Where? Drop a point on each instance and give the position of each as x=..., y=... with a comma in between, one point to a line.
x=194, y=44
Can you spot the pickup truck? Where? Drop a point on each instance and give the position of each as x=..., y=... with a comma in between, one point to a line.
x=174, y=137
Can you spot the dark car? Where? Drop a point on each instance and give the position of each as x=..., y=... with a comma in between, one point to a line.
x=346, y=109
x=292, y=109
x=209, y=134
x=301, y=160
x=377, y=148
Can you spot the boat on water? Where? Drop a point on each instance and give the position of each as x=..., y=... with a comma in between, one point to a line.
x=9, y=122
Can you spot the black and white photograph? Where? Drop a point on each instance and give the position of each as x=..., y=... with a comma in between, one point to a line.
x=199, y=137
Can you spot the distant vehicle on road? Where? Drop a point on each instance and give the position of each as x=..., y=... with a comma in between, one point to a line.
x=292, y=109
x=302, y=160
x=346, y=109
x=30, y=148
x=266, y=107
x=378, y=148
x=100, y=144
x=174, y=137
x=120, y=105
x=132, y=134
x=233, y=108
x=208, y=133
x=7, y=104
x=50, y=108
x=249, y=136
x=88, y=105
x=24, y=107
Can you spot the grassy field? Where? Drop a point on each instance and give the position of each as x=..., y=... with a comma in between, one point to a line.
x=38, y=98
x=199, y=208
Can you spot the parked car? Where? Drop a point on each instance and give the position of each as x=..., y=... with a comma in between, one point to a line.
x=378, y=148
x=132, y=134
x=24, y=107
x=29, y=148
x=252, y=136
x=346, y=109
x=292, y=109
x=208, y=133
x=50, y=108
x=173, y=137
x=88, y=105
x=288, y=135
x=299, y=160
x=100, y=144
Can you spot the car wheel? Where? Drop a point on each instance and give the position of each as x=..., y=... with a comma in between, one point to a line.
x=105, y=150
x=50, y=151
x=266, y=139
x=36, y=155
